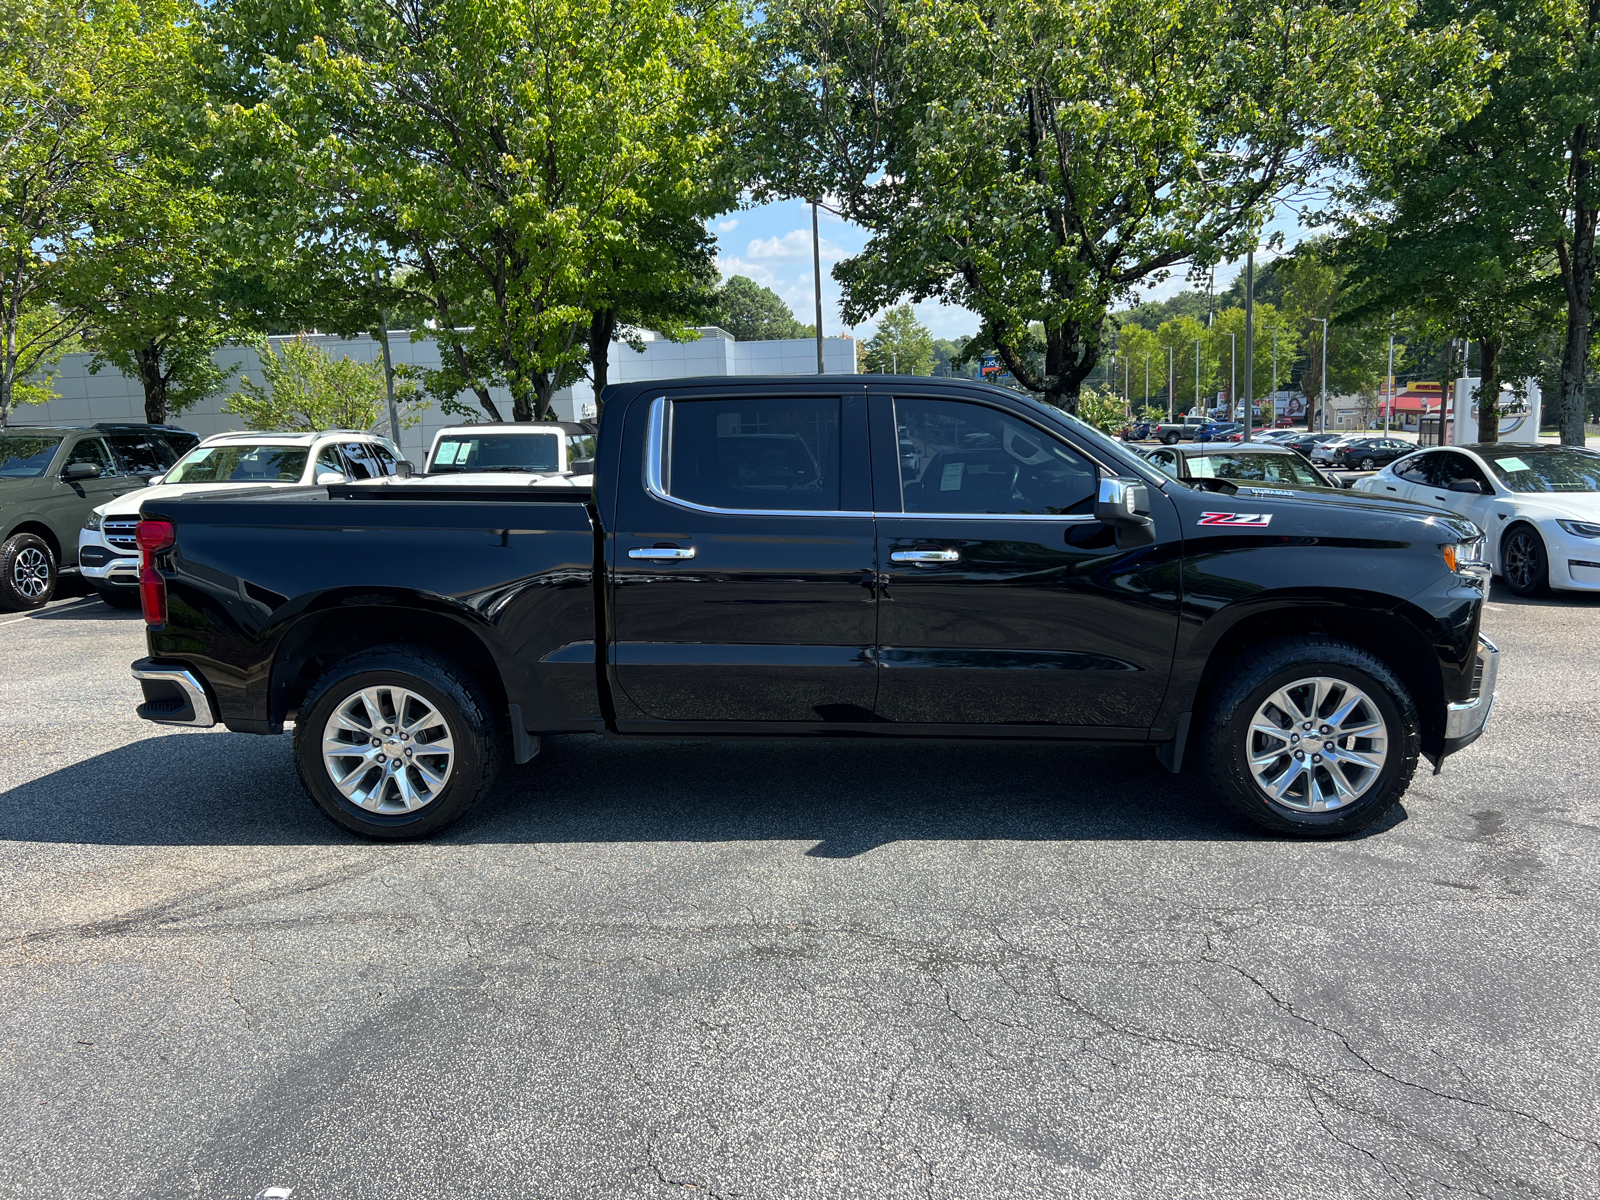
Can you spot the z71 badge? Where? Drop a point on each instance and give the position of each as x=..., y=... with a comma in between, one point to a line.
x=1254, y=519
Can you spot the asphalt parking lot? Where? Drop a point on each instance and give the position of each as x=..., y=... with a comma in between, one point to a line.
x=828, y=969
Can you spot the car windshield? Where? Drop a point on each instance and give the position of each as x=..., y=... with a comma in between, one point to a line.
x=497, y=452
x=26, y=455
x=1563, y=470
x=1283, y=469
x=240, y=462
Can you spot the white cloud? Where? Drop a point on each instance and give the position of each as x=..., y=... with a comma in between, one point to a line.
x=793, y=245
x=760, y=272
x=728, y=226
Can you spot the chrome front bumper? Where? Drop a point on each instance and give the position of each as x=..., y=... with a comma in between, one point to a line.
x=172, y=695
x=1465, y=722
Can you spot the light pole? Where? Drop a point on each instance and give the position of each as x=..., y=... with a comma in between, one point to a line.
x=1249, y=341
x=816, y=274
x=1172, y=384
x=1389, y=408
x=1322, y=409
x=1197, y=373
x=1127, y=375
x=1233, y=372
x=1146, y=380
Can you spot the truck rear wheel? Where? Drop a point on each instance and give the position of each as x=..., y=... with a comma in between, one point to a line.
x=396, y=743
x=1311, y=737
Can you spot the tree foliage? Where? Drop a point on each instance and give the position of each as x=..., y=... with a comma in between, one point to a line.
x=1034, y=162
x=754, y=313
x=517, y=167
x=902, y=345
x=304, y=387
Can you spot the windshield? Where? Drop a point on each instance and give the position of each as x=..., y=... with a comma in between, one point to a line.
x=240, y=462
x=497, y=452
x=25, y=456
x=1563, y=470
x=1288, y=470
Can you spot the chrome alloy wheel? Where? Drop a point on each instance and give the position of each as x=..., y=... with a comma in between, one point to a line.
x=30, y=573
x=388, y=749
x=1317, y=744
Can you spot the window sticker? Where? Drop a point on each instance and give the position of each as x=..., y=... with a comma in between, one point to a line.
x=1511, y=464
x=950, y=481
x=449, y=452
x=1200, y=468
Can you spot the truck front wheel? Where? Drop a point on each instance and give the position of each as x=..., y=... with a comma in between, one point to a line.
x=396, y=743
x=1311, y=737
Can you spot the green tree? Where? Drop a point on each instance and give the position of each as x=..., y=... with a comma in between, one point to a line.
x=1035, y=162
x=753, y=313
x=76, y=91
x=515, y=167
x=304, y=387
x=901, y=345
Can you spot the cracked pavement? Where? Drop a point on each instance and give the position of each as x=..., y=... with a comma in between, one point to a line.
x=790, y=969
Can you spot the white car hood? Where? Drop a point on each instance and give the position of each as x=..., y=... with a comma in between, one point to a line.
x=128, y=504
x=501, y=479
x=1577, y=506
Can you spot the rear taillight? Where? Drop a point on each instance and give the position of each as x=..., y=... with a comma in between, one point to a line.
x=150, y=537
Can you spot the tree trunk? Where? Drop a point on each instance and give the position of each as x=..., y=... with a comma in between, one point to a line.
x=1489, y=389
x=602, y=325
x=148, y=356
x=544, y=390
x=522, y=400
x=1577, y=275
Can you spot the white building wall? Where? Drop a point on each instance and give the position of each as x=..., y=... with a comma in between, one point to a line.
x=82, y=398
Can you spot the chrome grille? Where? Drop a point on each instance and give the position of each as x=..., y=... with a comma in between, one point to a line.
x=1477, y=678
x=119, y=531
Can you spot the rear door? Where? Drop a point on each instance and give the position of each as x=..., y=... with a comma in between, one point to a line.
x=1413, y=477
x=743, y=568
x=1004, y=601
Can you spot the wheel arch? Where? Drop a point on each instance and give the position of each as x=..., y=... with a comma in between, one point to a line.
x=1403, y=644
x=319, y=640
x=39, y=528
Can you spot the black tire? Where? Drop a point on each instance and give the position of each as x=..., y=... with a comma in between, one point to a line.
x=1169, y=439
x=118, y=597
x=1369, y=464
x=28, y=572
x=465, y=711
x=1249, y=684
x=1524, y=564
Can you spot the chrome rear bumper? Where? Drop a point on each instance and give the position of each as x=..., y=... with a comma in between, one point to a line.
x=172, y=695
x=1465, y=722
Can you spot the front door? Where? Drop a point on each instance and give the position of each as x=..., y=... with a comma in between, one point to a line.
x=72, y=500
x=743, y=568
x=1005, y=601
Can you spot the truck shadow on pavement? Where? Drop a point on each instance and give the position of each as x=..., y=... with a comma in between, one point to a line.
x=840, y=797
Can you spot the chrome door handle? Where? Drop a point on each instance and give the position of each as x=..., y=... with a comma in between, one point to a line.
x=925, y=556
x=662, y=553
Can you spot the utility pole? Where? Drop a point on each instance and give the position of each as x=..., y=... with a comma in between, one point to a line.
x=1322, y=412
x=816, y=274
x=1233, y=372
x=1197, y=374
x=1389, y=408
x=1172, y=385
x=1249, y=342
x=1147, y=379
x=1127, y=368
x=388, y=372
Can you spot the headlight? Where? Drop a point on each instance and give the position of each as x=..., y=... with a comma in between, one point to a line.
x=1583, y=529
x=1462, y=556
x=93, y=522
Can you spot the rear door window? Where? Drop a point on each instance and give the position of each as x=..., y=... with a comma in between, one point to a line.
x=361, y=467
x=141, y=454
x=756, y=454
x=1416, y=470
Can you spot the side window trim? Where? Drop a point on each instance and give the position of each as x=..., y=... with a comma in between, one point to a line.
x=656, y=433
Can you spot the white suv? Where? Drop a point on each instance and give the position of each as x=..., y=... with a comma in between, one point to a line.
x=107, y=555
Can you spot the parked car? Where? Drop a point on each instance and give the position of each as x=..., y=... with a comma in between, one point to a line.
x=51, y=478
x=1217, y=431
x=1540, y=504
x=1305, y=443
x=1362, y=452
x=1249, y=466
x=1138, y=431
x=1183, y=429
x=746, y=566
x=107, y=554
x=545, y=454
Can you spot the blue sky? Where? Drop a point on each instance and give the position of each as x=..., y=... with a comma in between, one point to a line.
x=772, y=245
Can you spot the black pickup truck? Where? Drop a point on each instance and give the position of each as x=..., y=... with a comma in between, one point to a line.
x=826, y=556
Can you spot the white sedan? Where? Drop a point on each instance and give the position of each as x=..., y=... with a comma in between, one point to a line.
x=1539, y=504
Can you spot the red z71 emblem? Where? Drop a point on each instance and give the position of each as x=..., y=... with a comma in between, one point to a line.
x=1256, y=519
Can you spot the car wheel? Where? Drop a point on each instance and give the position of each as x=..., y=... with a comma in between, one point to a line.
x=396, y=744
x=1169, y=439
x=1524, y=565
x=1311, y=737
x=27, y=572
x=119, y=597
x=1368, y=464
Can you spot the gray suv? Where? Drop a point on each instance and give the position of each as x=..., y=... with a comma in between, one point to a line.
x=52, y=478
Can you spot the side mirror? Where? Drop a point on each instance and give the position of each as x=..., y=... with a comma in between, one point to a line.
x=581, y=466
x=1124, y=505
x=81, y=470
x=1470, y=486
x=403, y=469
x=328, y=476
